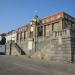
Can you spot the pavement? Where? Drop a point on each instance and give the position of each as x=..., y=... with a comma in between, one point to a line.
x=21, y=65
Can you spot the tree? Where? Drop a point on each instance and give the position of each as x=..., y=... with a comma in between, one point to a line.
x=73, y=26
x=3, y=40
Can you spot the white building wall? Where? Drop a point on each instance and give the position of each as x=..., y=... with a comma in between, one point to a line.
x=14, y=37
x=0, y=38
x=10, y=37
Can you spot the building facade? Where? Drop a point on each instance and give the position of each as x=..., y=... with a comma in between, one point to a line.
x=57, y=22
x=11, y=36
x=51, y=38
x=50, y=24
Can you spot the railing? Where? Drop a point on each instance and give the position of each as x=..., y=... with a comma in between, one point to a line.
x=65, y=32
x=19, y=49
x=42, y=44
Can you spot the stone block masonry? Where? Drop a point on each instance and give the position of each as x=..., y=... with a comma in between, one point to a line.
x=56, y=48
x=53, y=38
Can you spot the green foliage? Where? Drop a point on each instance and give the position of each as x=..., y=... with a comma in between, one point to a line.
x=73, y=26
x=37, y=18
x=3, y=41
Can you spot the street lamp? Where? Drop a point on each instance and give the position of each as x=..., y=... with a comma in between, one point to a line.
x=35, y=24
x=35, y=36
x=30, y=41
x=11, y=41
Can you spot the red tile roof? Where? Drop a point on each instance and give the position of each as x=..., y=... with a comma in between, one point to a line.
x=57, y=16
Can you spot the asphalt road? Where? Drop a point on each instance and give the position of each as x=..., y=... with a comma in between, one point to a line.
x=16, y=65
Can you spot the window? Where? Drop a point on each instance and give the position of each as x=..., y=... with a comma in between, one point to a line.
x=17, y=36
x=47, y=30
x=24, y=34
x=57, y=26
x=67, y=23
x=52, y=26
x=73, y=26
x=20, y=35
x=40, y=30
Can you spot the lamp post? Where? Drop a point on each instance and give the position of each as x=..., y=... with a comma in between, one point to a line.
x=35, y=24
x=11, y=42
x=30, y=41
x=35, y=35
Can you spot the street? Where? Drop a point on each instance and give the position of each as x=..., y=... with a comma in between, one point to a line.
x=21, y=65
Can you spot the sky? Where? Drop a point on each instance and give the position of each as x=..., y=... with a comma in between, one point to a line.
x=17, y=13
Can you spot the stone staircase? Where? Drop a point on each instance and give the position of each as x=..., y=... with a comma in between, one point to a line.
x=15, y=49
x=51, y=50
x=19, y=49
x=24, y=46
